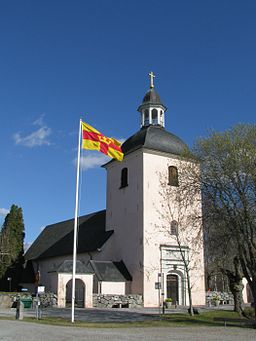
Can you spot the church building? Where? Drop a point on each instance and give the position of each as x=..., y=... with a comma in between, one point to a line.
x=147, y=240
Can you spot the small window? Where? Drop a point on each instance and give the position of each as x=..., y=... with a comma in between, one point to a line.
x=174, y=227
x=173, y=176
x=161, y=117
x=124, y=177
x=154, y=116
x=146, y=117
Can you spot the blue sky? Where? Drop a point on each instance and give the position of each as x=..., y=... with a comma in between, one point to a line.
x=61, y=58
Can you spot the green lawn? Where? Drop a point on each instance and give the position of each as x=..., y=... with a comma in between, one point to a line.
x=167, y=320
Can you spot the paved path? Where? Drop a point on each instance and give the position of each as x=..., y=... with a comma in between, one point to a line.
x=26, y=331
x=101, y=315
x=91, y=315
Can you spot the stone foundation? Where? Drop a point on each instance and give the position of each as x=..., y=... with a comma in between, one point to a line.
x=6, y=299
x=117, y=301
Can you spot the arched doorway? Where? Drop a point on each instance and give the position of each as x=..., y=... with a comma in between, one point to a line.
x=79, y=293
x=172, y=287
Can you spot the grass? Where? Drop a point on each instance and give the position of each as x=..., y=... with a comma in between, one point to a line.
x=169, y=320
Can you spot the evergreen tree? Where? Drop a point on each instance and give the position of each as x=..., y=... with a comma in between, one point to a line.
x=11, y=248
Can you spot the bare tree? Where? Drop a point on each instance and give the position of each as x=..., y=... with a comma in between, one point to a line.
x=221, y=256
x=228, y=180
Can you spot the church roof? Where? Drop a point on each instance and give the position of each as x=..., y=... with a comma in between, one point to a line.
x=154, y=137
x=109, y=271
x=57, y=239
x=67, y=267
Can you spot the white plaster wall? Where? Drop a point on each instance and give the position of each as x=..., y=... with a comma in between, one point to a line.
x=156, y=165
x=247, y=294
x=64, y=278
x=113, y=288
x=244, y=292
x=125, y=215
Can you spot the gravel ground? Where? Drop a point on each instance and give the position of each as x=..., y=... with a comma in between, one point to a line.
x=26, y=331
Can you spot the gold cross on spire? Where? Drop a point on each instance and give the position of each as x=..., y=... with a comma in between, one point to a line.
x=152, y=76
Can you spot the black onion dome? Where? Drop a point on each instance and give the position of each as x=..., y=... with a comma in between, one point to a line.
x=156, y=138
x=151, y=97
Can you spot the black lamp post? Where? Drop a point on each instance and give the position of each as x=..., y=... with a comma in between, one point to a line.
x=9, y=279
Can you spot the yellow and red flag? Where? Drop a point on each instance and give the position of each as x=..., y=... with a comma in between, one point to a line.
x=93, y=139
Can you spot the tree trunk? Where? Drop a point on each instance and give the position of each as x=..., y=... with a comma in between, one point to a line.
x=236, y=290
x=191, y=311
x=235, y=284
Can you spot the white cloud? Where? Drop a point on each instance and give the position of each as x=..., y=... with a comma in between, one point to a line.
x=3, y=211
x=92, y=161
x=40, y=121
x=37, y=138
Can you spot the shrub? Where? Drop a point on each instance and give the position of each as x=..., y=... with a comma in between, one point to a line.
x=249, y=312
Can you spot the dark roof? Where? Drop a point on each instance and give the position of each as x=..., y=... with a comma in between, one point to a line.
x=67, y=267
x=107, y=271
x=157, y=138
x=151, y=97
x=57, y=239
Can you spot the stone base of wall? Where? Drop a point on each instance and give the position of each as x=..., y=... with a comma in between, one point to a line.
x=6, y=299
x=48, y=299
x=117, y=301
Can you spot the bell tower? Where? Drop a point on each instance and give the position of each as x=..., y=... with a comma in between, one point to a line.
x=152, y=110
x=153, y=161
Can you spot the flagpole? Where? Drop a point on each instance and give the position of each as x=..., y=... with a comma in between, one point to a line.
x=75, y=225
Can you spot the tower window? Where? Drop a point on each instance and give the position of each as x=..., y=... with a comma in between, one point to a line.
x=154, y=116
x=124, y=177
x=161, y=117
x=174, y=227
x=173, y=176
x=146, y=117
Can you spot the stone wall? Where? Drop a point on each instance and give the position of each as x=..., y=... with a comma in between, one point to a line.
x=117, y=301
x=6, y=299
x=48, y=299
x=217, y=296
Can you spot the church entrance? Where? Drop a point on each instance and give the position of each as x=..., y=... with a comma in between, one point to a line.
x=172, y=288
x=79, y=293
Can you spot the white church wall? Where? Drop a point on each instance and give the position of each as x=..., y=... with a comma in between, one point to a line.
x=124, y=215
x=113, y=288
x=64, y=278
x=247, y=294
x=155, y=235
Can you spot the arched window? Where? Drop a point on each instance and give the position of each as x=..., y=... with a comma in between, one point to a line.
x=124, y=177
x=173, y=176
x=154, y=116
x=146, y=117
x=174, y=227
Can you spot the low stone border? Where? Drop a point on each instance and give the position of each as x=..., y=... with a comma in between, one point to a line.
x=117, y=301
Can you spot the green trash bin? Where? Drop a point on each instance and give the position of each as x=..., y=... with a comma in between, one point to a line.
x=27, y=302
